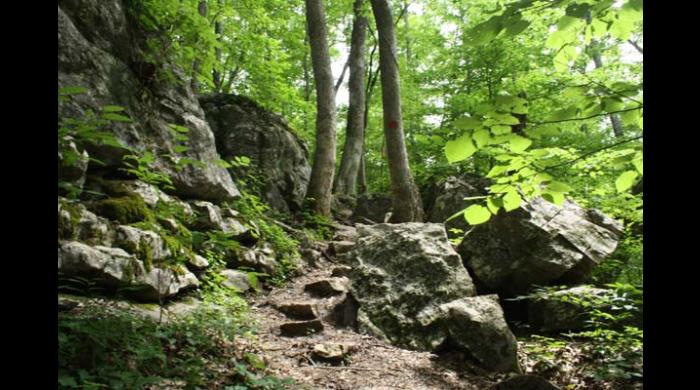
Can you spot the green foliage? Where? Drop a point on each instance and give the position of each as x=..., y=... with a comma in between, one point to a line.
x=262, y=226
x=142, y=168
x=111, y=348
x=613, y=345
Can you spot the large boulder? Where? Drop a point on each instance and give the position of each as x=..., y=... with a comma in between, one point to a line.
x=373, y=207
x=446, y=197
x=475, y=325
x=412, y=290
x=100, y=48
x=400, y=270
x=243, y=128
x=571, y=309
x=538, y=244
x=115, y=269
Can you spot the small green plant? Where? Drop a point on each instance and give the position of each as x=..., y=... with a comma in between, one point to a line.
x=102, y=347
x=142, y=168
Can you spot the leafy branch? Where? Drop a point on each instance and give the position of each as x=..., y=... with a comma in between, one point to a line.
x=588, y=117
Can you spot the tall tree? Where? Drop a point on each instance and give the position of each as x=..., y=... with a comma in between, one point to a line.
x=406, y=198
x=197, y=65
x=321, y=182
x=218, y=30
x=346, y=182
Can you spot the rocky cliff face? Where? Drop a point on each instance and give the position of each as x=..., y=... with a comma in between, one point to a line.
x=243, y=128
x=101, y=48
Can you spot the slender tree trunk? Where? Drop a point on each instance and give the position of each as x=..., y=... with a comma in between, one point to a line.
x=307, y=82
x=346, y=182
x=197, y=65
x=218, y=29
x=362, y=175
x=321, y=182
x=406, y=198
x=614, y=118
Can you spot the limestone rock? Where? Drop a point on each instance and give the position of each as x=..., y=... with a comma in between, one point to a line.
x=341, y=271
x=237, y=280
x=72, y=166
x=373, y=207
x=243, y=128
x=538, y=244
x=197, y=263
x=448, y=199
x=562, y=310
x=303, y=328
x=99, y=49
x=476, y=325
x=139, y=242
x=331, y=352
x=114, y=268
x=327, y=287
x=298, y=310
x=260, y=259
x=400, y=270
x=75, y=222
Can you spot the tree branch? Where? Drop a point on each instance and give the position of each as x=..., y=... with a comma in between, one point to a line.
x=588, y=117
x=636, y=46
x=586, y=155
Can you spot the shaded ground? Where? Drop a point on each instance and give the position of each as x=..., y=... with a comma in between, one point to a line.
x=371, y=364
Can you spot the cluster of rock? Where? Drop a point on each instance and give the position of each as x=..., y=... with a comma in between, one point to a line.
x=120, y=240
x=131, y=255
x=413, y=291
x=539, y=244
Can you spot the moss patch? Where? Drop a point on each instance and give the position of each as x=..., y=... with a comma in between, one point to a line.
x=126, y=209
x=67, y=227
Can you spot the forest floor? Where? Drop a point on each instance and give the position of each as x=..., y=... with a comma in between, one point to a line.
x=371, y=363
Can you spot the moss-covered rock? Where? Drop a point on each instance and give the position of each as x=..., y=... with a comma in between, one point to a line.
x=125, y=209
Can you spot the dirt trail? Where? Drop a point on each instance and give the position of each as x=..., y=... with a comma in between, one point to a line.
x=370, y=363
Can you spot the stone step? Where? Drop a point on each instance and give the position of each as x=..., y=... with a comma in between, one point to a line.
x=332, y=352
x=341, y=271
x=302, y=328
x=298, y=310
x=340, y=247
x=328, y=287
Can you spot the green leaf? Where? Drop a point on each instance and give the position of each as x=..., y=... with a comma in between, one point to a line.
x=516, y=27
x=110, y=108
x=501, y=188
x=553, y=197
x=467, y=123
x=497, y=170
x=557, y=186
x=178, y=128
x=482, y=138
x=477, y=214
x=500, y=130
x=518, y=143
x=511, y=201
x=625, y=181
x=116, y=117
x=459, y=149
x=72, y=90
x=639, y=164
x=612, y=105
x=493, y=204
x=578, y=10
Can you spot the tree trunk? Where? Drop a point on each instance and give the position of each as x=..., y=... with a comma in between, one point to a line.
x=218, y=29
x=406, y=198
x=197, y=65
x=321, y=182
x=346, y=182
